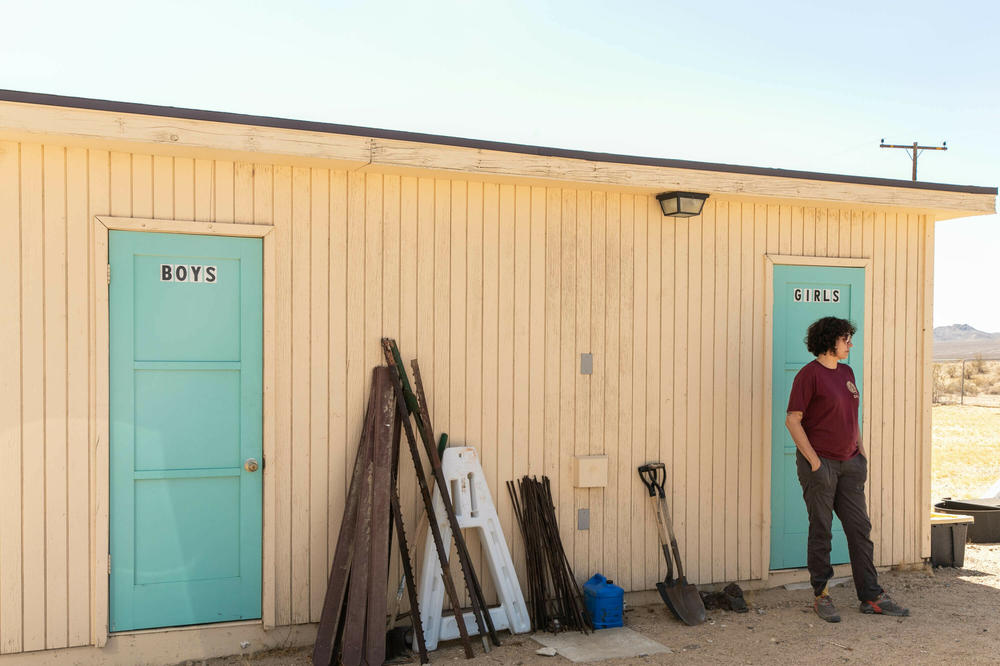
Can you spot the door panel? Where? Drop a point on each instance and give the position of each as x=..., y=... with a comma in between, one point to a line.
x=188, y=321
x=186, y=384
x=179, y=545
x=177, y=411
x=803, y=294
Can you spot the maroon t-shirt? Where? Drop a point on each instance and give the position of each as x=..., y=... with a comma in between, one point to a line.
x=828, y=400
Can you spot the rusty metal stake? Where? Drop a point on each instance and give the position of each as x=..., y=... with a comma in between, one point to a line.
x=479, y=609
x=411, y=440
x=404, y=550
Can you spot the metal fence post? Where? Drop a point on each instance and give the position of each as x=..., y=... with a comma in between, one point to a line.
x=963, y=382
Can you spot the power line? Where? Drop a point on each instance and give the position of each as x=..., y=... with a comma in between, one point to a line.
x=914, y=151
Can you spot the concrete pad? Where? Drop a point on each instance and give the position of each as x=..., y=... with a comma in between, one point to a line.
x=602, y=644
x=806, y=585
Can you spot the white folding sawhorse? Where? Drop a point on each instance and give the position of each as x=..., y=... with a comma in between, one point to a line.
x=470, y=495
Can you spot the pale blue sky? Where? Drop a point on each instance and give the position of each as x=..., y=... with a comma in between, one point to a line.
x=797, y=85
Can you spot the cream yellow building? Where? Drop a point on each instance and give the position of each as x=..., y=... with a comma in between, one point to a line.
x=497, y=266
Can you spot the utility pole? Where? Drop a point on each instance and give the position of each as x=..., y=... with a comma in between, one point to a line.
x=914, y=151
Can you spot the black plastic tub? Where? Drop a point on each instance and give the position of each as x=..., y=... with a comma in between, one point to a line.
x=948, y=545
x=986, y=529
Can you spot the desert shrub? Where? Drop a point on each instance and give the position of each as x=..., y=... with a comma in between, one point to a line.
x=987, y=383
x=977, y=365
x=939, y=378
x=943, y=384
x=982, y=377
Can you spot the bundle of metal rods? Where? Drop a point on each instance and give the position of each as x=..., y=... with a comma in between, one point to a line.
x=555, y=601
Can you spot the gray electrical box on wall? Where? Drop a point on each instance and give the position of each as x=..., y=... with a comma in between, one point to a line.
x=583, y=519
x=586, y=364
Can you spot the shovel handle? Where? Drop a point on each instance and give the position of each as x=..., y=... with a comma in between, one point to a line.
x=664, y=542
x=673, y=539
x=653, y=476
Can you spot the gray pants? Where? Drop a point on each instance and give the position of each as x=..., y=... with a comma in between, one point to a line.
x=838, y=485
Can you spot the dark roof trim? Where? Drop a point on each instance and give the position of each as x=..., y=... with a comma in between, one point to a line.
x=352, y=130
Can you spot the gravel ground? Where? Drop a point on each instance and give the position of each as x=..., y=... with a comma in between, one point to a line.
x=955, y=618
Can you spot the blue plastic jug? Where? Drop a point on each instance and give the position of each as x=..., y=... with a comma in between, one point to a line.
x=604, y=601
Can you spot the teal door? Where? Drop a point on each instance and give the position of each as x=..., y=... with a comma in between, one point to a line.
x=803, y=294
x=185, y=409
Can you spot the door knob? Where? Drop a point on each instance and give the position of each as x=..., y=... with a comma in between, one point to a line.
x=251, y=465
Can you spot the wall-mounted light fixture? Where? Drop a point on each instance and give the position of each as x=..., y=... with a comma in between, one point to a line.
x=681, y=204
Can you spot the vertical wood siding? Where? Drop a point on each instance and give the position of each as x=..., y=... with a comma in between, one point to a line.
x=497, y=289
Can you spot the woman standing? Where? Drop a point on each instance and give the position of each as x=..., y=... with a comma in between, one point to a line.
x=833, y=466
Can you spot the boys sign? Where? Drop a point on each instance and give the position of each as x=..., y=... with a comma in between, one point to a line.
x=188, y=273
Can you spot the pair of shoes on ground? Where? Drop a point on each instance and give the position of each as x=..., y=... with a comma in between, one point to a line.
x=881, y=605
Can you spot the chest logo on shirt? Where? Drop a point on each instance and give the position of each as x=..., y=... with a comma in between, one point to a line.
x=853, y=389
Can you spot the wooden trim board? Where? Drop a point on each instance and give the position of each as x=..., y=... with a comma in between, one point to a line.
x=99, y=455
x=770, y=260
x=175, y=645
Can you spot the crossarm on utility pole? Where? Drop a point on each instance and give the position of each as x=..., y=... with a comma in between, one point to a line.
x=914, y=151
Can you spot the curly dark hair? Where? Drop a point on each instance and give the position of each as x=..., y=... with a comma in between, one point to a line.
x=823, y=334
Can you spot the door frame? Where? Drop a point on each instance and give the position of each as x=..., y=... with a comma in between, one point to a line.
x=100, y=455
x=770, y=260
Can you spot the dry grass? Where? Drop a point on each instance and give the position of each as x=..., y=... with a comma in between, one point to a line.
x=965, y=451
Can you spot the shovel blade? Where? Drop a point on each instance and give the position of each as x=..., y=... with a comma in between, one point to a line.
x=667, y=593
x=683, y=600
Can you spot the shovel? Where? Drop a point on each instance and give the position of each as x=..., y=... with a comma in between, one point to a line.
x=681, y=597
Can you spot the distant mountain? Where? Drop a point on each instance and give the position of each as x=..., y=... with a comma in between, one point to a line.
x=961, y=332
x=963, y=341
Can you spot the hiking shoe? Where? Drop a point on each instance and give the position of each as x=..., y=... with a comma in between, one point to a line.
x=823, y=605
x=883, y=605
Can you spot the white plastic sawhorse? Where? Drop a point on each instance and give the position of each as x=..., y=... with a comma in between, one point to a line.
x=474, y=508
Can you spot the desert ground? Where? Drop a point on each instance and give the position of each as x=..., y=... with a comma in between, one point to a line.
x=965, y=455
x=955, y=613
x=954, y=619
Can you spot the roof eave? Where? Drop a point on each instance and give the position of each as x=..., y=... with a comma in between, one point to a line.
x=130, y=123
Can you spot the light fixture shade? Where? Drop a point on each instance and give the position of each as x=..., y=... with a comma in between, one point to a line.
x=681, y=204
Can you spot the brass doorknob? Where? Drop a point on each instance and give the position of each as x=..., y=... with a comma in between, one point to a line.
x=251, y=465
